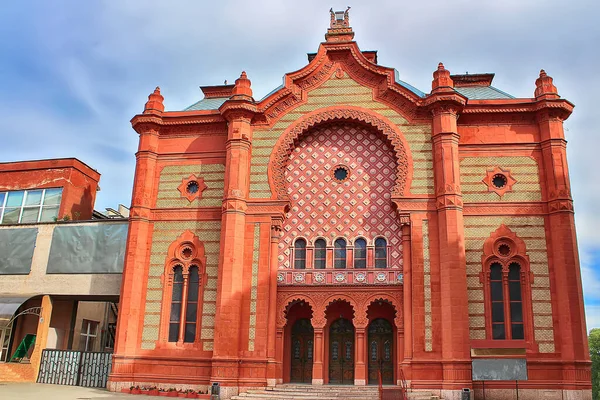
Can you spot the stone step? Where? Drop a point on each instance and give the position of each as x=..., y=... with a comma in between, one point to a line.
x=293, y=396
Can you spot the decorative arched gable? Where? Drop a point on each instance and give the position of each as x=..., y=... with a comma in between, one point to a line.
x=286, y=143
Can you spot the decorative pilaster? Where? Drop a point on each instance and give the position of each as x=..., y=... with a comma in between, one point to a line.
x=445, y=105
x=137, y=253
x=318, y=374
x=562, y=246
x=272, y=319
x=238, y=111
x=406, y=357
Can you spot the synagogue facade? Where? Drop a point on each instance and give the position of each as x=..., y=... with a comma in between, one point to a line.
x=349, y=227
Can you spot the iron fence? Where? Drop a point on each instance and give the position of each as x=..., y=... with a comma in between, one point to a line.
x=74, y=368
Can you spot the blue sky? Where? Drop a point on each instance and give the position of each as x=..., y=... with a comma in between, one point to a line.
x=73, y=73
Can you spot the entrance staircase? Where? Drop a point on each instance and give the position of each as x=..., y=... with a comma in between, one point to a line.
x=325, y=392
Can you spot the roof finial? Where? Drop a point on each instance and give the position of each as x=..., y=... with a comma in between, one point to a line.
x=544, y=86
x=155, y=102
x=242, y=85
x=441, y=79
x=339, y=26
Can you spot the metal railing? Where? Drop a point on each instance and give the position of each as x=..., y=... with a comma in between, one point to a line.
x=74, y=368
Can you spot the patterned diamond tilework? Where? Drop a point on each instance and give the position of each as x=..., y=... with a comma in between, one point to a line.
x=523, y=169
x=170, y=179
x=325, y=207
x=165, y=233
x=254, y=287
x=343, y=91
x=427, y=286
x=531, y=230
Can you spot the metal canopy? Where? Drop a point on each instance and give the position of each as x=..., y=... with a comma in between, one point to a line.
x=8, y=307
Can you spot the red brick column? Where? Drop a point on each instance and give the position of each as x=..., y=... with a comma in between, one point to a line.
x=445, y=105
x=360, y=367
x=272, y=318
x=227, y=345
x=406, y=357
x=319, y=354
x=570, y=330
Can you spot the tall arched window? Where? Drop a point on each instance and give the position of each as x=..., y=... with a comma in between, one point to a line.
x=320, y=254
x=360, y=253
x=516, y=301
x=339, y=256
x=507, y=286
x=191, y=311
x=497, y=299
x=380, y=253
x=176, y=300
x=300, y=254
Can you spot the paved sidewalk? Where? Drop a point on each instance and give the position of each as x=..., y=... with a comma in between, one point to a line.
x=39, y=391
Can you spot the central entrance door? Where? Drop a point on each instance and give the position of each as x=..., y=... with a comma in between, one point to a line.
x=302, y=351
x=341, y=352
x=381, y=336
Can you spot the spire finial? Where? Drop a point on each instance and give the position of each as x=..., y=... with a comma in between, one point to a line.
x=339, y=26
x=243, y=85
x=441, y=79
x=544, y=86
x=155, y=102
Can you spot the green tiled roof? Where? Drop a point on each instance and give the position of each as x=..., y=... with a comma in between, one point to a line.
x=207, y=104
x=482, y=93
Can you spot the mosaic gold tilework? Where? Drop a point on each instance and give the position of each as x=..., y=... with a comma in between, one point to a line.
x=531, y=230
x=523, y=169
x=172, y=175
x=254, y=287
x=427, y=286
x=343, y=91
x=165, y=233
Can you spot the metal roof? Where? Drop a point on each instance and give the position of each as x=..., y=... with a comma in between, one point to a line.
x=482, y=92
x=207, y=104
x=408, y=86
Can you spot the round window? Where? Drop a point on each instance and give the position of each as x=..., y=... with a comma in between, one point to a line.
x=340, y=173
x=186, y=252
x=192, y=187
x=504, y=249
x=499, y=181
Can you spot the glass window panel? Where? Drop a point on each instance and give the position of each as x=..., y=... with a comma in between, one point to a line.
x=340, y=253
x=516, y=312
x=11, y=215
x=173, y=332
x=190, y=333
x=53, y=196
x=30, y=214
x=300, y=254
x=498, y=331
x=496, y=272
x=177, y=291
x=496, y=291
x=2, y=196
x=15, y=199
x=175, y=311
x=360, y=263
x=360, y=253
x=514, y=272
x=497, y=312
x=49, y=214
x=517, y=331
x=514, y=289
x=380, y=263
x=34, y=198
x=191, y=312
x=320, y=254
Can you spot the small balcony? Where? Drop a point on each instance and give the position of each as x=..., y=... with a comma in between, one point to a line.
x=339, y=277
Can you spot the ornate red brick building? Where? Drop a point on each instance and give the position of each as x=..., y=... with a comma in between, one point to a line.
x=349, y=224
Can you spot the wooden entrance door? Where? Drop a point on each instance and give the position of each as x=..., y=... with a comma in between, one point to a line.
x=341, y=352
x=381, y=339
x=302, y=351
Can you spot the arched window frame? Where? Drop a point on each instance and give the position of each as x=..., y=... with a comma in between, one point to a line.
x=176, y=257
x=335, y=258
x=299, y=259
x=387, y=252
x=518, y=254
x=354, y=253
x=317, y=255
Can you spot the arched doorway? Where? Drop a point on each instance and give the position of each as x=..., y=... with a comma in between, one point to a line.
x=341, y=352
x=381, y=353
x=302, y=351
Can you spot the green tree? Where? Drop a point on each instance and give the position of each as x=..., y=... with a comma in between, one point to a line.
x=594, y=340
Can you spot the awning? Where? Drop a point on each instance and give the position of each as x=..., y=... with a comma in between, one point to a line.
x=8, y=307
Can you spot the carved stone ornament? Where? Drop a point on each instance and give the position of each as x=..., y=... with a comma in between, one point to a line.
x=499, y=180
x=192, y=187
